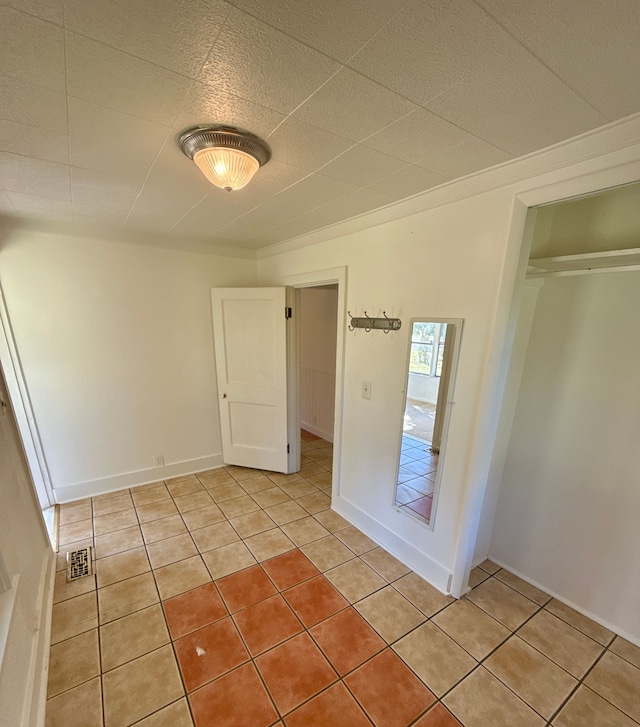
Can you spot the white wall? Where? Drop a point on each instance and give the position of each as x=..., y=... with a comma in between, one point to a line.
x=446, y=262
x=318, y=311
x=29, y=561
x=117, y=349
x=568, y=510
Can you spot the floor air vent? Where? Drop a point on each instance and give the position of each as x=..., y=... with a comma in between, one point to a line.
x=78, y=564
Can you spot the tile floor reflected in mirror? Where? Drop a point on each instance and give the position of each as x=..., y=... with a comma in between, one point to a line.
x=238, y=598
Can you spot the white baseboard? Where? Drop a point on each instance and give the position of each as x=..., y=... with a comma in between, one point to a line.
x=434, y=573
x=633, y=638
x=104, y=485
x=318, y=432
x=35, y=703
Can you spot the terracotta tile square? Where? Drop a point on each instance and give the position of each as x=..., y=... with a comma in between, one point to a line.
x=334, y=706
x=253, y=523
x=73, y=617
x=175, y=715
x=272, y=496
x=193, y=610
x=171, y=550
x=208, y=653
x=385, y=564
x=481, y=700
x=422, y=594
x=180, y=577
x=355, y=579
x=289, y=569
x=472, y=628
x=331, y=520
x=390, y=614
x=305, y=530
x=120, y=566
x=582, y=623
x=315, y=502
x=268, y=544
x=115, y=521
x=438, y=716
x=213, y=536
x=193, y=501
x=587, y=709
x=314, y=600
x=73, y=661
x=140, y=687
x=150, y=495
x=389, y=707
x=286, y=512
x=356, y=540
x=618, y=682
x=156, y=511
x=628, y=651
x=118, y=542
x=228, y=559
x=167, y=527
x=347, y=640
x=200, y=518
x=568, y=647
x=294, y=672
x=79, y=707
x=125, y=597
x=245, y=588
x=266, y=624
x=238, y=698
x=434, y=657
x=132, y=636
x=537, y=680
x=503, y=603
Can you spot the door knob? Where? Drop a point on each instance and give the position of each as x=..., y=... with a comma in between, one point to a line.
x=223, y=396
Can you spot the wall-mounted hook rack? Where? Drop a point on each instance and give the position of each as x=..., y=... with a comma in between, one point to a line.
x=385, y=324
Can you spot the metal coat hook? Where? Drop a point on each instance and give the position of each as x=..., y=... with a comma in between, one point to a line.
x=385, y=324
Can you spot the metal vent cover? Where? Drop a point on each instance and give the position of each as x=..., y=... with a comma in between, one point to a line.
x=79, y=564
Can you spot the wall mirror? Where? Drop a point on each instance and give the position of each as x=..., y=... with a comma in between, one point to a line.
x=429, y=377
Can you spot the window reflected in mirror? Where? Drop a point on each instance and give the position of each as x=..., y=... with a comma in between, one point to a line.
x=431, y=359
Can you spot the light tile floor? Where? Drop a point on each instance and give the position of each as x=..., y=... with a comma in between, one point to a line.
x=238, y=598
x=416, y=477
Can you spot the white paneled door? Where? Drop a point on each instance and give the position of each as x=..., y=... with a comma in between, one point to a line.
x=250, y=337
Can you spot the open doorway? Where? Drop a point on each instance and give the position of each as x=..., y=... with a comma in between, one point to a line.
x=317, y=308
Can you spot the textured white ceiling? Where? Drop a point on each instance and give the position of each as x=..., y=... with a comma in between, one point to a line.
x=364, y=102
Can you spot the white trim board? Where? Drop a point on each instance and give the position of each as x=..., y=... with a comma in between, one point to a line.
x=80, y=490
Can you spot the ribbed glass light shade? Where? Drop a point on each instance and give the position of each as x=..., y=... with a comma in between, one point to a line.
x=228, y=169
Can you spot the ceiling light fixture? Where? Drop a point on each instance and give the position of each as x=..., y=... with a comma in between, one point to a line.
x=228, y=157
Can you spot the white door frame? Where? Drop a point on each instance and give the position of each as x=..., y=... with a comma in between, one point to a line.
x=330, y=276
x=23, y=411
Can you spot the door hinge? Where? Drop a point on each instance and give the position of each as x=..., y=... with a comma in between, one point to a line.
x=288, y=313
x=288, y=449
